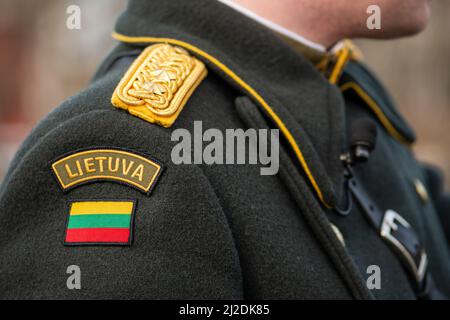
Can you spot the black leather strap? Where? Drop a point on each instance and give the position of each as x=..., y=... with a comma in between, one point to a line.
x=399, y=235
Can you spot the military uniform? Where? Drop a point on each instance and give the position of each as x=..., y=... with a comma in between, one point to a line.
x=218, y=231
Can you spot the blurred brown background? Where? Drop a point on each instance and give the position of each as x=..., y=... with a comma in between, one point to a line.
x=42, y=63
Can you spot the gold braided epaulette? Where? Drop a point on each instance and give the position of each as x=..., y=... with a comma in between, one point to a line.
x=158, y=84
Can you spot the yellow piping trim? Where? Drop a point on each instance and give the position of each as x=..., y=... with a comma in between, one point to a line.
x=349, y=51
x=245, y=86
x=377, y=110
x=343, y=57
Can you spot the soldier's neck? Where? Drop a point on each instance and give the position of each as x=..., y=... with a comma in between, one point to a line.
x=277, y=15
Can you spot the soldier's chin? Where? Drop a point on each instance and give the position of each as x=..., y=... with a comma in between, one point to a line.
x=413, y=26
x=409, y=21
x=398, y=29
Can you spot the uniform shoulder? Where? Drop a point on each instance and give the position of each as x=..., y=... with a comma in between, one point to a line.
x=143, y=95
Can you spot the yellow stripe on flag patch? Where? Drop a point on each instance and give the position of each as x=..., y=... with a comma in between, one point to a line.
x=101, y=207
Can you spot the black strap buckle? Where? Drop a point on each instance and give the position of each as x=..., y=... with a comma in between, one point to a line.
x=398, y=233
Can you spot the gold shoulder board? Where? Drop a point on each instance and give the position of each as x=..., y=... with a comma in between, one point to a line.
x=158, y=84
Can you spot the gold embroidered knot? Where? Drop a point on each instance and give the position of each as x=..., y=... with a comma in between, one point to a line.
x=158, y=83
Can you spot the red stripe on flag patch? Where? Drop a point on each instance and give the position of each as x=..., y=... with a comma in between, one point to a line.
x=98, y=235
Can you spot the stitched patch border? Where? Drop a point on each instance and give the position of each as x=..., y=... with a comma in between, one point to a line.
x=105, y=178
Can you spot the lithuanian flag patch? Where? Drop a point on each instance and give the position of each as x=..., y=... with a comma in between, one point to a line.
x=102, y=222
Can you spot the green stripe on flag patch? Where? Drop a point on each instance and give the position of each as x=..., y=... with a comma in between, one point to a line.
x=99, y=221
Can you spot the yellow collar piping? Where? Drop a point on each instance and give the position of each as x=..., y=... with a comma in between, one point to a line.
x=377, y=110
x=348, y=51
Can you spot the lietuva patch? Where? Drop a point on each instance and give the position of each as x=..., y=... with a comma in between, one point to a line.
x=106, y=164
x=100, y=222
x=158, y=84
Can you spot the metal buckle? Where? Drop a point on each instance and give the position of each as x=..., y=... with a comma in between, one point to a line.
x=391, y=222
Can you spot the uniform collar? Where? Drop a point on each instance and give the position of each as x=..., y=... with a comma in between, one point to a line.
x=313, y=51
x=260, y=65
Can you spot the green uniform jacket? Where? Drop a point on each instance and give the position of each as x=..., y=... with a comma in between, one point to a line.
x=222, y=231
